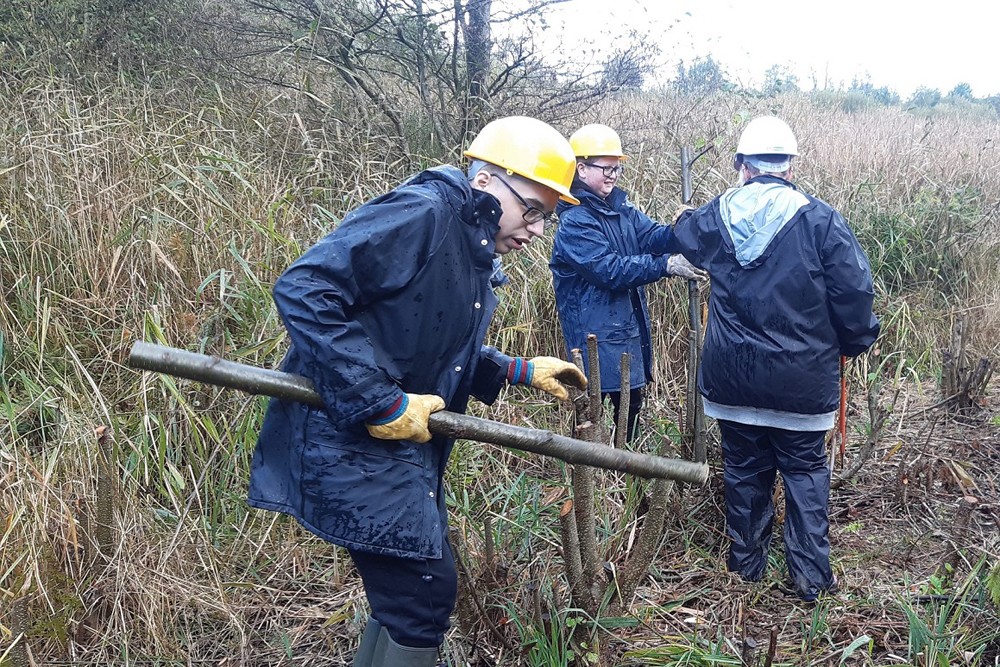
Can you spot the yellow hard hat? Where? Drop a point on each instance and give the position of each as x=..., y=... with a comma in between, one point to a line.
x=597, y=140
x=530, y=148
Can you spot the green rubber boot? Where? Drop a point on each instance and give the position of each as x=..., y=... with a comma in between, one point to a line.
x=390, y=654
x=369, y=639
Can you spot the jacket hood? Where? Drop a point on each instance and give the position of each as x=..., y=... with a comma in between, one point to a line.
x=454, y=185
x=755, y=213
x=475, y=208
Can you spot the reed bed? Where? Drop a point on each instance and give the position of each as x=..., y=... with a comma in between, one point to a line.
x=164, y=210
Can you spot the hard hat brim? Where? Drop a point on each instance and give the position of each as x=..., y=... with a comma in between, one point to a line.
x=620, y=157
x=561, y=190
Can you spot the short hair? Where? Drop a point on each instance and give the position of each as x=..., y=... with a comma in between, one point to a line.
x=477, y=166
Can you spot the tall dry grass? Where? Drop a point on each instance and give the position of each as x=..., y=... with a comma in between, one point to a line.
x=163, y=211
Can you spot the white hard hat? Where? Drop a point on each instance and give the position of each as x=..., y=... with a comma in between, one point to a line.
x=767, y=135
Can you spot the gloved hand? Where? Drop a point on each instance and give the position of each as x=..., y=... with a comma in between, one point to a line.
x=406, y=419
x=681, y=209
x=546, y=373
x=677, y=265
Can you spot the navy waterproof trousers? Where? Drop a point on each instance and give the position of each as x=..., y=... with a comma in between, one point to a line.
x=411, y=598
x=752, y=456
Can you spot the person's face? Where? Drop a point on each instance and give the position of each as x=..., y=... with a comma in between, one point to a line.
x=516, y=197
x=600, y=174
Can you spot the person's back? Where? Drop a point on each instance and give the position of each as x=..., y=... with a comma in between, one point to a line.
x=784, y=266
x=791, y=293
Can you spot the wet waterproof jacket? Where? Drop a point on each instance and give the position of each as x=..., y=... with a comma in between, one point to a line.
x=791, y=292
x=604, y=252
x=397, y=299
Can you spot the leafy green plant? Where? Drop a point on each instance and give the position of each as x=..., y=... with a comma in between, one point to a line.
x=993, y=583
x=852, y=648
x=548, y=643
x=686, y=650
x=817, y=626
x=955, y=628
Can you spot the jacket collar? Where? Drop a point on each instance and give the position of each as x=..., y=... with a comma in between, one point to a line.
x=475, y=208
x=616, y=199
x=770, y=178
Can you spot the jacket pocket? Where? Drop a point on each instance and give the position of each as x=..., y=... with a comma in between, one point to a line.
x=320, y=432
x=611, y=345
x=622, y=334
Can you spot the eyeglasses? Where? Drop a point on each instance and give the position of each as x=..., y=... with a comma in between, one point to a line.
x=531, y=214
x=609, y=172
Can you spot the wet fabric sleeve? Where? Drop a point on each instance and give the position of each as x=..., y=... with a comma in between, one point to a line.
x=654, y=238
x=375, y=252
x=698, y=236
x=585, y=247
x=686, y=232
x=491, y=374
x=849, y=289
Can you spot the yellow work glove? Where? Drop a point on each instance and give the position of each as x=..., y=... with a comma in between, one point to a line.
x=680, y=210
x=546, y=373
x=406, y=419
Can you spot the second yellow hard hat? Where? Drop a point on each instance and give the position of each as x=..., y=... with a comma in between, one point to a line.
x=597, y=140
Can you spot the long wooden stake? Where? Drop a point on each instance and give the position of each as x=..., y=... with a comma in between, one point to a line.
x=286, y=386
x=695, y=415
x=18, y=652
x=624, y=402
x=584, y=482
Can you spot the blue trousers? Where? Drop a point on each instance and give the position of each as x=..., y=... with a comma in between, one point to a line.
x=752, y=455
x=411, y=599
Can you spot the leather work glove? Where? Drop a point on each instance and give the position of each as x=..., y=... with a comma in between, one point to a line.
x=680, y=210
x=677, y=265
x=406, y=419
x=546, y=373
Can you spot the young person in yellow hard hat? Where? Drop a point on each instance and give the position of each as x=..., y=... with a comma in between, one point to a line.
x=388, y=315
x=605, y=252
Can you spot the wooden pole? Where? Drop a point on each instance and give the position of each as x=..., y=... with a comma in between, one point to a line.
x=624, y=402
x=694, y=412
x=18, y=652
x=289, y=387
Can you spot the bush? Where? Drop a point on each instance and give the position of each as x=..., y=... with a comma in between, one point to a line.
x=924, y=97
x=125, y=33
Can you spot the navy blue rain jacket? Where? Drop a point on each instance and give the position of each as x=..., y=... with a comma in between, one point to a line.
x=791, y=292
x=604, y=252
x=397, y=299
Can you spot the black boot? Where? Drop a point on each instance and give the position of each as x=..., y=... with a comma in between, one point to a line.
x=390, y=654
x=369, y=639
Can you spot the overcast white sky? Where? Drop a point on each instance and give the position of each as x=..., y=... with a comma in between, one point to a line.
x=902, y=45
